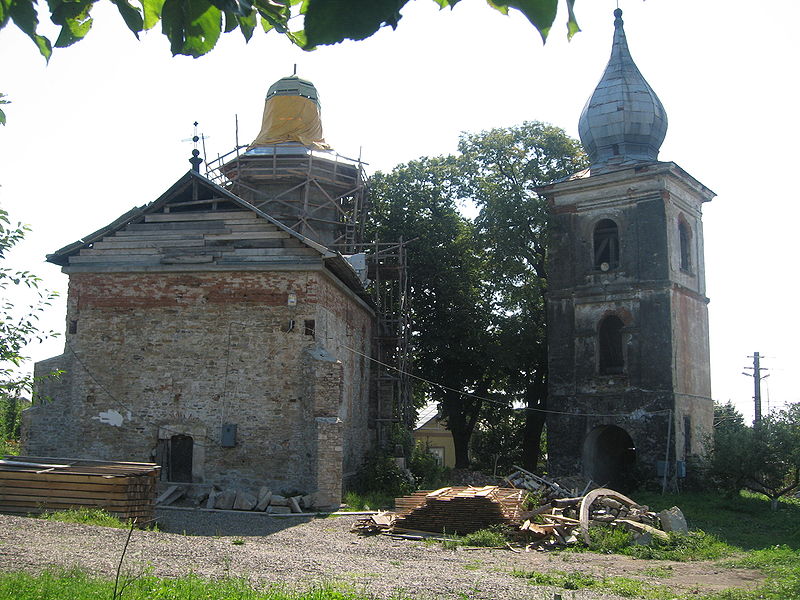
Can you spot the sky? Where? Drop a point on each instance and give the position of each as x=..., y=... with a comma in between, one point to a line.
x=102, y=129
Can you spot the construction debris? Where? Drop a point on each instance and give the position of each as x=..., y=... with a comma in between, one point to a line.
x=559, y=520
x=525, y=480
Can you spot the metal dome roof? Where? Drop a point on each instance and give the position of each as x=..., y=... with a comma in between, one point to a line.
x=623, y=121
x=293, y=86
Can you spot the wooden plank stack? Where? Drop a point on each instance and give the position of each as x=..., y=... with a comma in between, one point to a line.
x=460, y=510
x=33, y=485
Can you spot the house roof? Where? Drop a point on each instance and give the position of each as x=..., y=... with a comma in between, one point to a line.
x=198, y=225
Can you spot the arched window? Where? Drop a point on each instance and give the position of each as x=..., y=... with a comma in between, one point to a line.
x=606, y=245
x=685, y=234
x=611, y=359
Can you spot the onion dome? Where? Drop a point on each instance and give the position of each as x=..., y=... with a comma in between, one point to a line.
x=623, y=121
x=291, y=116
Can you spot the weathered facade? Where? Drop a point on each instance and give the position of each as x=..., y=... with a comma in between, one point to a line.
x=627, y=312
x=210, y=337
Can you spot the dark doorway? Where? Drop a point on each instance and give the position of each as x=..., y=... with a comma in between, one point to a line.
x=609, y=458
x=181, y=448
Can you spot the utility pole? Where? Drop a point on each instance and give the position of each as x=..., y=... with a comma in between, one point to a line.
x=757, y=377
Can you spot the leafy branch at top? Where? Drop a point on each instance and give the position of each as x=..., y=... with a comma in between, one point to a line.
x=193, y=27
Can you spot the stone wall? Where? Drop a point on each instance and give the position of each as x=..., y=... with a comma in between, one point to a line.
x=153, y=355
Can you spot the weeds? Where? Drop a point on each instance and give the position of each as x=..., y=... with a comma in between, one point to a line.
x=85, y=516
x=493, y=537
x=368, y=501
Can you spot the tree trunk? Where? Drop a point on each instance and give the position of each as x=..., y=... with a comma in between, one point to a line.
x=535, y=398
x=461, y=413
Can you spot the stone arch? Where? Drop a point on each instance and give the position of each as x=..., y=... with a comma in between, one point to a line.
x=609, y=457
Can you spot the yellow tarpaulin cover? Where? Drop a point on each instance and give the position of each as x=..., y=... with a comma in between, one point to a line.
x=291, y=119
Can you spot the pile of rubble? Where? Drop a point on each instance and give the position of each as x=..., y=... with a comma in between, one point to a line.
x=237, y=499
x=566, y=521
x=559, y=517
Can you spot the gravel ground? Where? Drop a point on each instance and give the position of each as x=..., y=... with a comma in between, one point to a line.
x=303, y=552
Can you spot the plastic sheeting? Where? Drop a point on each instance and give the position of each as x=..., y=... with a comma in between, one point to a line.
x=291, y=119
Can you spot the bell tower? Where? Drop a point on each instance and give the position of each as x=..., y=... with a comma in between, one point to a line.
x=627, y=311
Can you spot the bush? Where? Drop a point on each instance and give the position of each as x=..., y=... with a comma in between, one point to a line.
x=427, y=472
x=381, y=474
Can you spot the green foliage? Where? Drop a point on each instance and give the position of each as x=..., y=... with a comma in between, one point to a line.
x=493, y=537
x=369, y=501
x=695, y=545
x=609, y=540
x=763, y=459
x=78, y=585
x=3, y=114
x=18, y=328
x=380, y=474
x=427, y=472
x=193, y=27
x=478, y=285
x=497, y=441
x=86, y=516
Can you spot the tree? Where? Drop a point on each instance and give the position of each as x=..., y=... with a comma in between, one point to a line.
x=193, y=27
x=477, y=286
x=18, y=327
x=500, y=171
x=449, y=313
x=765, y=460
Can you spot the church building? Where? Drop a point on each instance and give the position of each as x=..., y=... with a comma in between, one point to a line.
x=629, y=376
x=219, y=330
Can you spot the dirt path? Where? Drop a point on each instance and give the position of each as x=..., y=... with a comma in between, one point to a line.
x=320, y=551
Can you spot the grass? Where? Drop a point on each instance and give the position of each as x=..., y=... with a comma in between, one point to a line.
x=574, y=580
x=371, y=501
x=695, y=545
x=78, y=585
x=10, y=447
x=744, y=521
x=737, y=531
x=86, y=516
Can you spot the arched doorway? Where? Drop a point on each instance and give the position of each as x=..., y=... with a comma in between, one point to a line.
x=609, y=457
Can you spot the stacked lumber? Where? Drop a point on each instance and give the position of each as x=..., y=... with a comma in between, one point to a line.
x=460, y=510
x=33, y=485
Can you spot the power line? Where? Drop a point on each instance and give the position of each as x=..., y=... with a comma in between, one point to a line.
x=500, y=403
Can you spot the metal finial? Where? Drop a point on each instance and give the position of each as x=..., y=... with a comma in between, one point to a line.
x=196, y=160
x=295, y=69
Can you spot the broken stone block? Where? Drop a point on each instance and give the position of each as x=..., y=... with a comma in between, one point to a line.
x=294, y=504
x=643, y=539
x=278, y=500
x=672, y=519
x=225, y=499
x=307, y=501
x=264, y=497
x=279, y=510
x=244, y=501
x=212, y=495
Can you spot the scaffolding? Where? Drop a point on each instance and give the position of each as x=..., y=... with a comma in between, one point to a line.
x=324, y=196
x=321, y=195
